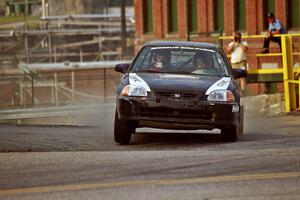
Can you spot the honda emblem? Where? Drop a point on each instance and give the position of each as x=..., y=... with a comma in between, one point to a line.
x=177, y=95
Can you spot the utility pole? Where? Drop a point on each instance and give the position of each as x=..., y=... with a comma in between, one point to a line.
x=106, y=7
x=43, y=8
x=123, y=28
x=26, y=8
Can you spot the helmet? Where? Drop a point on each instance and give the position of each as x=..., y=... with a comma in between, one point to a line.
x=160, y=58
x=201, y=60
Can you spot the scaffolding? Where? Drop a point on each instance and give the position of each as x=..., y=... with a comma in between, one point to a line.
x=92, y=37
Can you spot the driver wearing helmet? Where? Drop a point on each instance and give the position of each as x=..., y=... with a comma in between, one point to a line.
x=203, y=63
x=201, y=60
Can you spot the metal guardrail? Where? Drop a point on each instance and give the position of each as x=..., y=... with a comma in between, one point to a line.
x=85, y=16
x=61, y=83
x=71, y=65
x=59, y=111
x=82, y=31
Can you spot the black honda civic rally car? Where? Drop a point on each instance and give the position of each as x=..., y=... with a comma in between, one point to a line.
x=179, y=85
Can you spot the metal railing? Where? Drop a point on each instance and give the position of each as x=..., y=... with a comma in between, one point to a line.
x=59, y=84
x=288, y=71
x=69, y=37
x=57, y=111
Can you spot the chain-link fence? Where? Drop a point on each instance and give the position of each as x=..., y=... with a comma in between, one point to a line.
x=58, y=88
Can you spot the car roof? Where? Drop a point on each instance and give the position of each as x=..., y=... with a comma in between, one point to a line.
x=183, y=44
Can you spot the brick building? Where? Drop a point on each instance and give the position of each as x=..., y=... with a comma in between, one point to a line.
x=177, y=19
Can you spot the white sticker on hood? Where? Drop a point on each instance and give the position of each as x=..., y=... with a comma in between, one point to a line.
x=221, y=84
x=135, y=80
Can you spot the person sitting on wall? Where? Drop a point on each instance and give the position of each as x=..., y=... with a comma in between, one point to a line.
x=275, y=27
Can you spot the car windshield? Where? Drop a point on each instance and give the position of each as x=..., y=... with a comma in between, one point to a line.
x=180, y=60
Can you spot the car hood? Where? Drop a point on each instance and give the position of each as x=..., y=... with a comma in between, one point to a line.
x=177, y=82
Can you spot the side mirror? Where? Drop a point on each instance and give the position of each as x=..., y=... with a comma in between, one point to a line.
x=122, y=67
x=239, y=73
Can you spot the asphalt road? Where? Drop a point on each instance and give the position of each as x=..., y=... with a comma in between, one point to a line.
x=83, y=162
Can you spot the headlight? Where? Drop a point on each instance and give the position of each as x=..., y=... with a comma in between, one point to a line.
x=221, y=95
x=131, y=90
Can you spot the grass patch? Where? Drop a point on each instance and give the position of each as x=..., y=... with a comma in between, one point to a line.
x=13, y=19
x=32, y=22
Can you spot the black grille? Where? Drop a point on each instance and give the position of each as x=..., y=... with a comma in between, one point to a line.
x=165, y=112
x=176, y=94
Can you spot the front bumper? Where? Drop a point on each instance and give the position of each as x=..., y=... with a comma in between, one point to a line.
x=178, y=114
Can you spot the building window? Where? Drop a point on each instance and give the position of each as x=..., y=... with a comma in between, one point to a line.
x=219, y=15
x=293, y=13
x=192, y=15
x=268, y=6
x=173, y=16
x=147, y=16
x=240, y=15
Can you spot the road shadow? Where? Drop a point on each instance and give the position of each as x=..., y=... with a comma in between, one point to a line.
x=252, y=137
x=174, y=138
x=259, y=133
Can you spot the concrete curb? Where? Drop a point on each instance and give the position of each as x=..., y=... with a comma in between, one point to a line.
x=265, y=104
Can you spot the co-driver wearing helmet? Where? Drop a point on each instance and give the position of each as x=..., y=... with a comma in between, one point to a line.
x=160, y=60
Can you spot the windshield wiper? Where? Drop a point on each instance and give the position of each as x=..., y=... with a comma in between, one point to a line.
x=205, y=74
x=148, y=71
x=180, y=72
x=191, y=73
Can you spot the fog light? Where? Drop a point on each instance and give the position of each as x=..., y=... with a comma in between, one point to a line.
x=235, y=108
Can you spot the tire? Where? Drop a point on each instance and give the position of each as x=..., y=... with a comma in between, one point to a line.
x=230, y=134
x=122, y=130
x=241, y=123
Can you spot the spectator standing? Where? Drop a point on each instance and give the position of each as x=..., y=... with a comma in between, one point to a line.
x=7, y=8
x=275, y=27
x=237, y=48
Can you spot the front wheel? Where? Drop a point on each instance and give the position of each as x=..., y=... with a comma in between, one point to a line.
x=122, y=130
x=241, y=131
x=230, y=134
